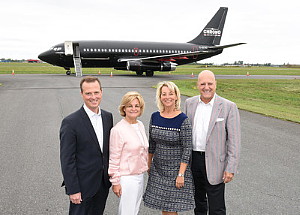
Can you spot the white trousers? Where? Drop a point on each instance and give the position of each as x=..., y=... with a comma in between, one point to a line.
x=132, y=191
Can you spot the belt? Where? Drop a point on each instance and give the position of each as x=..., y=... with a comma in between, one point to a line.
x=199, y=152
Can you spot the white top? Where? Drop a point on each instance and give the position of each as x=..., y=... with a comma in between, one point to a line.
x=138, y=131
x=201, y=122
x=96, y=121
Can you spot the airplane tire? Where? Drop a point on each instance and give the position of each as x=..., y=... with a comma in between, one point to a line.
x=149, y=73
x=68, y=72
x=139, y=73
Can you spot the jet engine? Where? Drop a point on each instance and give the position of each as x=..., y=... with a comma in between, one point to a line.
x=138, y=66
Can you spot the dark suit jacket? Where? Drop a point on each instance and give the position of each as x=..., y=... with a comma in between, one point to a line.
x=84, y=166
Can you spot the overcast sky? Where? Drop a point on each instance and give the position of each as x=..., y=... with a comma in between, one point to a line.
x=271, y=29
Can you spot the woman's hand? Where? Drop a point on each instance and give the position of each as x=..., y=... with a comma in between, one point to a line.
x=117, y=189
x=179, y=182
x=180, y=176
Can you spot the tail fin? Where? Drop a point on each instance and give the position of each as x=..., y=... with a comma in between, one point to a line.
x=212, y=33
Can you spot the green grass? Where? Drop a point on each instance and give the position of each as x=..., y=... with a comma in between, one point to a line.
x=40, y=68
x=45, y=68
x=195, y=69
x=276, y=98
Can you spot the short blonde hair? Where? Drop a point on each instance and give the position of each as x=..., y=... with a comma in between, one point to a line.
x=173, y=88
x=129, y=97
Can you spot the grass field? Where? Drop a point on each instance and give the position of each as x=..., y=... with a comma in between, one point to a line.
x=276, y=98
x=39, y=68
x=188, y=69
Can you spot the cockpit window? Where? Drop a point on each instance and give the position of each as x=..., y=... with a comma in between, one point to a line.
x=57, y=48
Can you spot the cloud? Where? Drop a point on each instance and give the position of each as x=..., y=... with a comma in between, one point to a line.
x=270, y=29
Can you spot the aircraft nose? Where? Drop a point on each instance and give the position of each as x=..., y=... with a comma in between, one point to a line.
x=45, y=56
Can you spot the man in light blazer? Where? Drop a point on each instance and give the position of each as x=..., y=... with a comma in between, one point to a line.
x=84, y=152
x=216, y=144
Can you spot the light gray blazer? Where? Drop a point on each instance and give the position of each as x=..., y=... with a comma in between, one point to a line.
x=223, y=142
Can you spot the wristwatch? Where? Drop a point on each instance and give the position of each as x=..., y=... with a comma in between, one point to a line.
x=180, y=174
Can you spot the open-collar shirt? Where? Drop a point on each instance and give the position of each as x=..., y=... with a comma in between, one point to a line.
x=201, y=122
x=96, y=120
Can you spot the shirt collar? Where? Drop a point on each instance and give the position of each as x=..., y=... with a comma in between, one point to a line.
x=212, y=101
x=91, y=113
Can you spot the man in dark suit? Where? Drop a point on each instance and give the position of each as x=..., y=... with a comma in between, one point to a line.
x=84, y=152
x=216, y=144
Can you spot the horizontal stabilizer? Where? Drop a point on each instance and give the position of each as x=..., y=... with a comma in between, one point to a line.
x=225, y=46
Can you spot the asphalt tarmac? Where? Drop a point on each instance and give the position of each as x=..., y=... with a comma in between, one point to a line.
x=31, y=110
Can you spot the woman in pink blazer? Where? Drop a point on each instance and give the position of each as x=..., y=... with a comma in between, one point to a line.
x=129, y=154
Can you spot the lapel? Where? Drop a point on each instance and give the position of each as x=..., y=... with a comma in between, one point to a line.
x=105, y=131
x=194, y=104
x=89, y=127
x=217, y=107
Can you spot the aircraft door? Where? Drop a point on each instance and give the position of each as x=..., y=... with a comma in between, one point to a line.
x=69, y=48
x=73, y=49
x=194, y=49
x=136, y=51
x=76, y=49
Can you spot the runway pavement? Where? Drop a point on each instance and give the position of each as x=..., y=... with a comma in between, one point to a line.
x=31, y=110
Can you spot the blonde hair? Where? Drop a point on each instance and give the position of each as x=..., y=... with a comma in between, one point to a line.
x=129, y=97
x=173, y=88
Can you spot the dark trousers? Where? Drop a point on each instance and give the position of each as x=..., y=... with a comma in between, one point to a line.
x=91, y=206
x=207, y=197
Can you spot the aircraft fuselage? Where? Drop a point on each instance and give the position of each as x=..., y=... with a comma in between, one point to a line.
x=140, y=56
x=108, y=53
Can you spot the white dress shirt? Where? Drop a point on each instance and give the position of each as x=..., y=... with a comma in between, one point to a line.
x=96, y=121
x=201, y=122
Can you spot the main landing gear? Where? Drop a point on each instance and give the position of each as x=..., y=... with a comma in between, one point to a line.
x=139, y=73
x=149, y=73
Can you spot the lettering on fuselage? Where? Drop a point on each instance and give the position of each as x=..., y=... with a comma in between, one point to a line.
x=212, y=32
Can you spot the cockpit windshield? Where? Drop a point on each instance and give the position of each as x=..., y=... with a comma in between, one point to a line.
x=56, y=48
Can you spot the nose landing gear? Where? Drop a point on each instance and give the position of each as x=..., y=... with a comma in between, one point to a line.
x=68, y=70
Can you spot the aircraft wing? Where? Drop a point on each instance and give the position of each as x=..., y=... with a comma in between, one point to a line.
x=168, y=57
x=174, y=57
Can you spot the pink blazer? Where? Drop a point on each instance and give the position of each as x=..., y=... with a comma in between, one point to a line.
x=127, y=154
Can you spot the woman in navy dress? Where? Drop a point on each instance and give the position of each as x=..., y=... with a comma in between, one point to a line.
x=170, y=185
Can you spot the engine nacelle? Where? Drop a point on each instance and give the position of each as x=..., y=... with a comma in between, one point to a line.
x=139, y=66
x=168, y=66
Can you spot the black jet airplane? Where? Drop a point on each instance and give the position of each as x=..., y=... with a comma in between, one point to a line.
x=140, y=56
